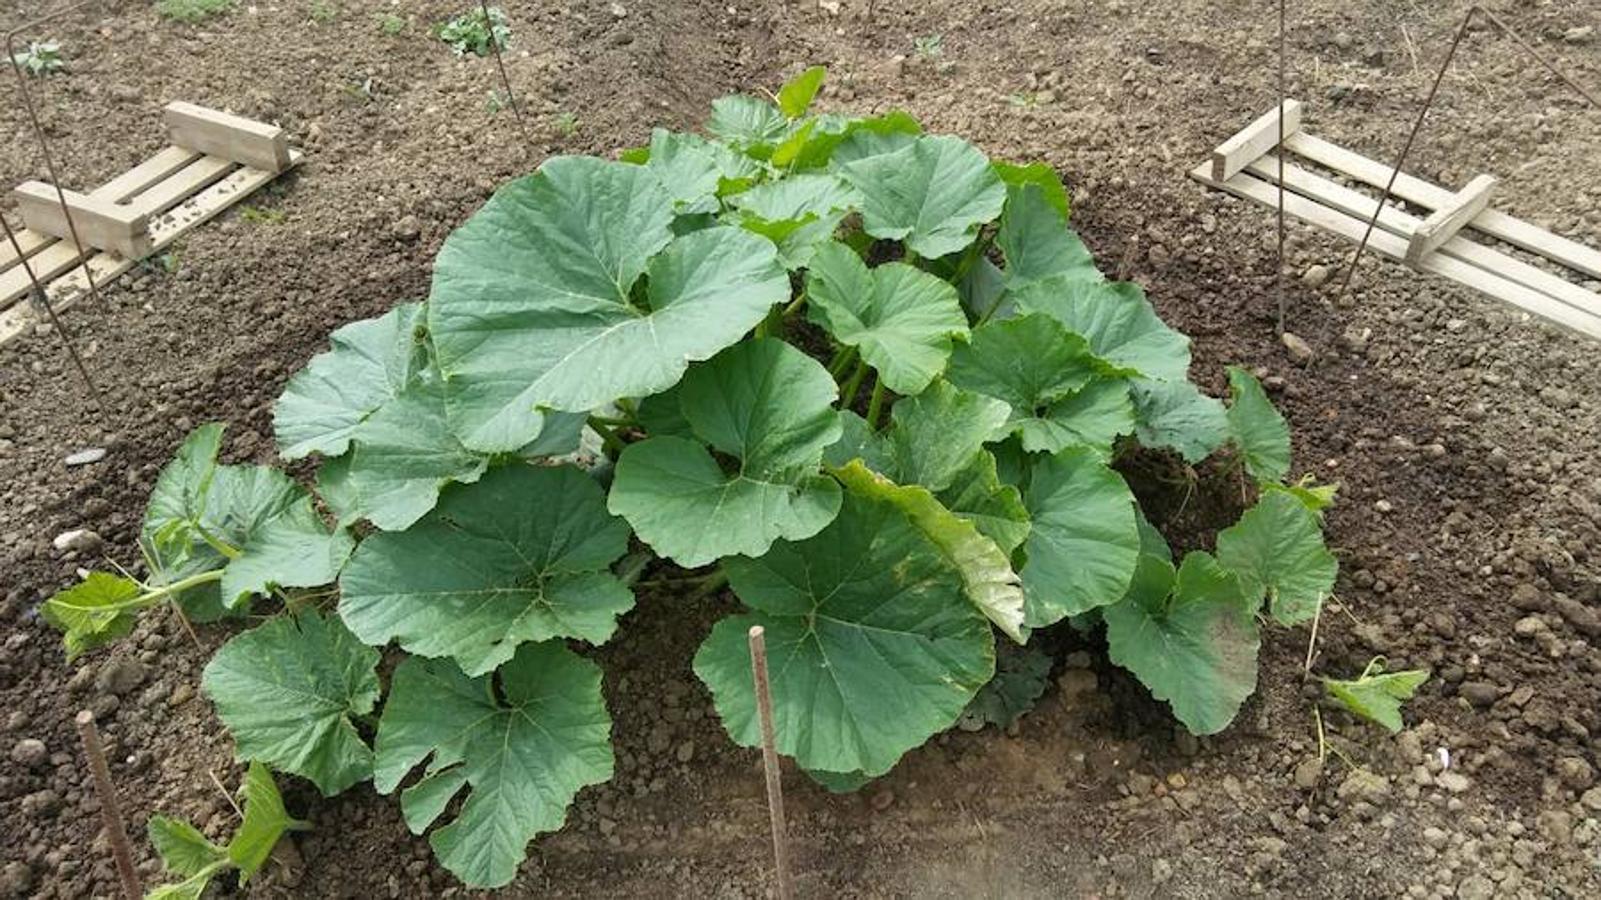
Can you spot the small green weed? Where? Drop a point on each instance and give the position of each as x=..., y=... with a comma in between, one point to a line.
x=41, y=58
x=929, y=46
x=192, y=11
x=257, y=215
x=497, y=101
x=324, y=12
x=1024, y=99
x=566, y=123
x=391, y=24
x=472, y=32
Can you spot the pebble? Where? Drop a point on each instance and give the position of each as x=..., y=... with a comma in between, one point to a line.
x=686, y=751
x=81, y=540
x=16, y=879
x=1583, y=619
x=1575, y=772
x=1455, y=782
x=1307, y=773
x=1315, y=276
x=86, y=456
x=1475, y=887
x=1481, y=694
x=1582, y=34
x=883, y=800
x=181, y=694
x=1591, y=799
x=1300, y=351
x=407, y=228
x=29, y=752
x=120, y=675
x=1365, y=786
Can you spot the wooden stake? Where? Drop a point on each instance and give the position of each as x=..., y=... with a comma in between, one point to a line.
x=775, y=789
x=116, y=835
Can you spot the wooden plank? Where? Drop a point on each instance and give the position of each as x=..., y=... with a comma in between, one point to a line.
x=1492, y=222
x=164, y=230
x=99, y=223
x=181, y=184
x=1254, y=140
x=1352, y=228
x=216, y=133
x=117, y=190
x=1402, y=224
x=140, y=178
x=1443, y=224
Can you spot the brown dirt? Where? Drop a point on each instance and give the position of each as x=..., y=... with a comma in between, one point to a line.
x=1477, y=430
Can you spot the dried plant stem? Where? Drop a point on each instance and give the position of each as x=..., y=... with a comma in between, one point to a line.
x=775, y=789
x=111, y=815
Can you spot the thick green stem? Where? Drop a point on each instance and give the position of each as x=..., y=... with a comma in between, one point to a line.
x=847, y=394
x=795, y=305
x=875, y=404
x=974, y=251
x=607, y=436
x=612, y=421
x=151, y=596
x=841, y=361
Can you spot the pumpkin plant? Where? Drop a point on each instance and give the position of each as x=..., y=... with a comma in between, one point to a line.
x=870, y=376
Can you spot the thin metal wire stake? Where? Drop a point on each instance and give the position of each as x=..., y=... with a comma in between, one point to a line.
x=1283, y=43
x=43, y=300
x=44, y=141
x=116, y=834
x=500, y=63
x=775, y=787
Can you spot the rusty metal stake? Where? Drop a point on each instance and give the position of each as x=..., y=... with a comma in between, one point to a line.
x=500, y=63
x=41, y=299
x=116, y=835
x=775, y=788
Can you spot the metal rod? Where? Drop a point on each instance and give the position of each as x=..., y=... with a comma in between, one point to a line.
x=775, y=787
x=500, y=63
x=1279, y=278
x=1529, y=49
x=116, y=834
x=44, y=141
x=42, y=299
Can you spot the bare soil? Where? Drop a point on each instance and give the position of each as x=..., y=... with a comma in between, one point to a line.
x=1465, y=439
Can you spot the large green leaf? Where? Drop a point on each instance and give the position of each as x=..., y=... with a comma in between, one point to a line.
x=532, y=308
x=835, y=143
x=747, y=122
x=522, y=555
x=1176, y=415
x=523, y=746
x=936, y=434
x=798, y=214
x=766, y=405
x=1190, y=637
x=902, y=318
x=287, y=690
x=265, y=821
x=1057, y=389
x=691, y=169
x=872, y=647
x=371, y=361
x=987, y=576
x=1277, y=550
x=203, y=516
x=1084, y=539
x=1036, y=241
x=294, y=549
x=1039, y=175
x=995, y=508
x=933, y=194
x=1261, y=433
x=1115, y=317
x=184, y=851
x=1021, y=676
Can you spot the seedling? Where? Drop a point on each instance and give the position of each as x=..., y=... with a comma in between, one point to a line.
x=1377, y=695
x=391, y=24
x=496, y=101
x=192, y=11
x=323, y=12
x=41, y=58
x=258, y=215
x=566, y=123
x=863, y=377
x=1023, y=99
x=472, y=32
x=929, y=47
x=191, y=856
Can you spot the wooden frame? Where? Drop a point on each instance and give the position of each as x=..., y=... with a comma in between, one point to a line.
x=139, y=213
x=1437, y=243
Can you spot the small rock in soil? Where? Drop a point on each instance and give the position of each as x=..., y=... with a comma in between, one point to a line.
x=1308, y=772
x=1583, y=34
x=1481, y=694
x=1475, y=887
x=1583, y=619
x=1300, y=351
x=120, y=675
x=883, y=800
x=1365, y=786
x=1455, y=782
x=29, y=752
x=686, y=751
x=1315, y=276
x=16, y=879
x=81, y=540
x=1575, y=772
x=86, y=457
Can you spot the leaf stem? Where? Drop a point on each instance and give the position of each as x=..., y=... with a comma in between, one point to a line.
x=847, y=394
x=876, y=403
x=607, y=435
x=611, y=421
x=217, y=544
x=841, y=362
x=795, y=305
x=151, y=595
